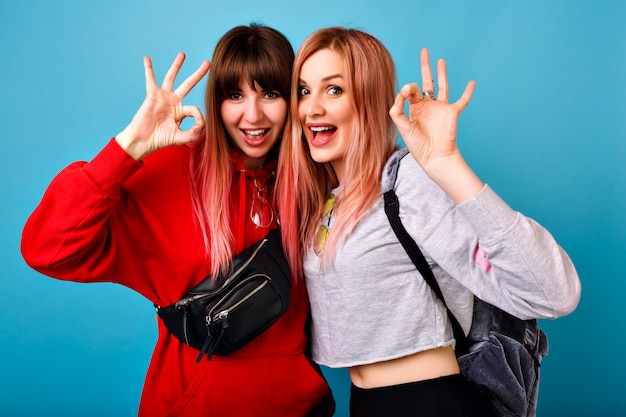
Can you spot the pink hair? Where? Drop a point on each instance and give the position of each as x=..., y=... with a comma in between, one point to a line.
x=303, y=184
x=258, y=54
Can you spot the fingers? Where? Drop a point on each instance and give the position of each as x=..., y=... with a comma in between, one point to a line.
x=397, y=109
x=170, y=77
x=408, y=92
x=397, y=113
x=194, y=111
x=411, y=92
x=168, y=80
x=442, y=94
x=149, y=74
x=442, y=81
x=193, y=79
x=428, y=87
x=195, y=132
x=462, y=102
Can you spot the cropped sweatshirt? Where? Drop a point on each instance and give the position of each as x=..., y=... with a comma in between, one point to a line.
x=371, y=304
x=118, y=220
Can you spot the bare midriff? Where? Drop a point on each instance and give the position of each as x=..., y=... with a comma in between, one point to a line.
x=429, y=364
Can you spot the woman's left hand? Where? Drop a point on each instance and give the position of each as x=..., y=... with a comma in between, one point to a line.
x=430, y=130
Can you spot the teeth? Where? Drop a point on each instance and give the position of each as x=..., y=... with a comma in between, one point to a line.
x=321, y=128
x=254, y=132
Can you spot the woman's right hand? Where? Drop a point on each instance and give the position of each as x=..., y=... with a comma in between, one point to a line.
x=157, y=122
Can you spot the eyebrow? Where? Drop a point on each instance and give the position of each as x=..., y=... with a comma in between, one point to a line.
x=327, y=78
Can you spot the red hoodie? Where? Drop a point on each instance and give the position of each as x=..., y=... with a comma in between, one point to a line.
x=118, y=220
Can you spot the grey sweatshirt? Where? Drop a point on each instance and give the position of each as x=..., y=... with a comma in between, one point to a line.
x=372, y=305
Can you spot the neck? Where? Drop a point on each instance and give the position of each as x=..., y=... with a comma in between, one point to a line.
x=338, y=169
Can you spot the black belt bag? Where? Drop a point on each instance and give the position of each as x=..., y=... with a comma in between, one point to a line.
x=222, y=315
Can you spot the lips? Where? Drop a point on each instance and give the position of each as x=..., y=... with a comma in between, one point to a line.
x=321, y=134
x=254, y=137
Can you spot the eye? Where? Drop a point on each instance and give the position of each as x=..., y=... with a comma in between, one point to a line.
x=272, y=94
x=235, y=95
x=335, y=91
x=303, y=91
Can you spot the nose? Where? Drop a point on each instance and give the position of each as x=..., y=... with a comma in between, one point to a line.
x=313, y=106
x=253, y=111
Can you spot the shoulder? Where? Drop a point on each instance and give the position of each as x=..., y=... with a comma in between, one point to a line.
x=402, y=169
x=390, y=171
x=416, y=192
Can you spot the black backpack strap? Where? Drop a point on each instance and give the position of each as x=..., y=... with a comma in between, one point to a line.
x=392, y=209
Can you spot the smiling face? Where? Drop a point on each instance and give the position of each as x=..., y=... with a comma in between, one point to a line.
x=254, y=120
x=325, y=108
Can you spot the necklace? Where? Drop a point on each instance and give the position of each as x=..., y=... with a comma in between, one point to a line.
x=261, y=211
x=324, y=229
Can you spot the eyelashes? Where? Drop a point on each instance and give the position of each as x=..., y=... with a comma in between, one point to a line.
x=332, y=90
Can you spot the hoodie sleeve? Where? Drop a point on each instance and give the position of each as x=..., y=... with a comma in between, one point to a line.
x=68, y=236
x=500, y=255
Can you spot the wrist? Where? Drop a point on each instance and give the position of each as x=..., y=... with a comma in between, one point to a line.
x=455, y=177
x=130, y=144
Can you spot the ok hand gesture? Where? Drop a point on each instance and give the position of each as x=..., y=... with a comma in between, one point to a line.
x=429, y=131
x=157, y=122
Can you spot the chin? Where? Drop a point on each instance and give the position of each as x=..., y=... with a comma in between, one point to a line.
x=318, y=156
x=257, y=153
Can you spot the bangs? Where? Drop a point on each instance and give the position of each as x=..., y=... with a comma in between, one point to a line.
x=255, y=66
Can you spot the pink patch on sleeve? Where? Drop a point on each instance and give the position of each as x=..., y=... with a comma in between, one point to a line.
x=480, y=256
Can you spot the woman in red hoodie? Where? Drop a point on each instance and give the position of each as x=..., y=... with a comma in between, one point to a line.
x=161, y=208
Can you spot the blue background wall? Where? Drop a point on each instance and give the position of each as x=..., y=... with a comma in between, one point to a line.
x=546, y=128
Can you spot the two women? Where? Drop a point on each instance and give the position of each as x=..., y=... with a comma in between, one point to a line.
x=371, y=310
x=138, y=216
x=158, y=218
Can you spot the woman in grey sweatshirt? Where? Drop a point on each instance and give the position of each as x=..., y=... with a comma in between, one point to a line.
x=372, y=312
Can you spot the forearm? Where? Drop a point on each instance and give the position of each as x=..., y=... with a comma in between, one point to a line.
x=455, y=177
x=67, y=235
x=511, y=260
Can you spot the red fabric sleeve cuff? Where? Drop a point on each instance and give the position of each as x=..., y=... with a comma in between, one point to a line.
x=111, y=167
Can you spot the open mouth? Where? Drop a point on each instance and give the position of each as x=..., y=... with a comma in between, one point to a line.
x=255, y=136
x=322, y=134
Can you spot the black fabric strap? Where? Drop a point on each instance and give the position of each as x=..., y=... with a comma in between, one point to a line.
x=392, y=209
